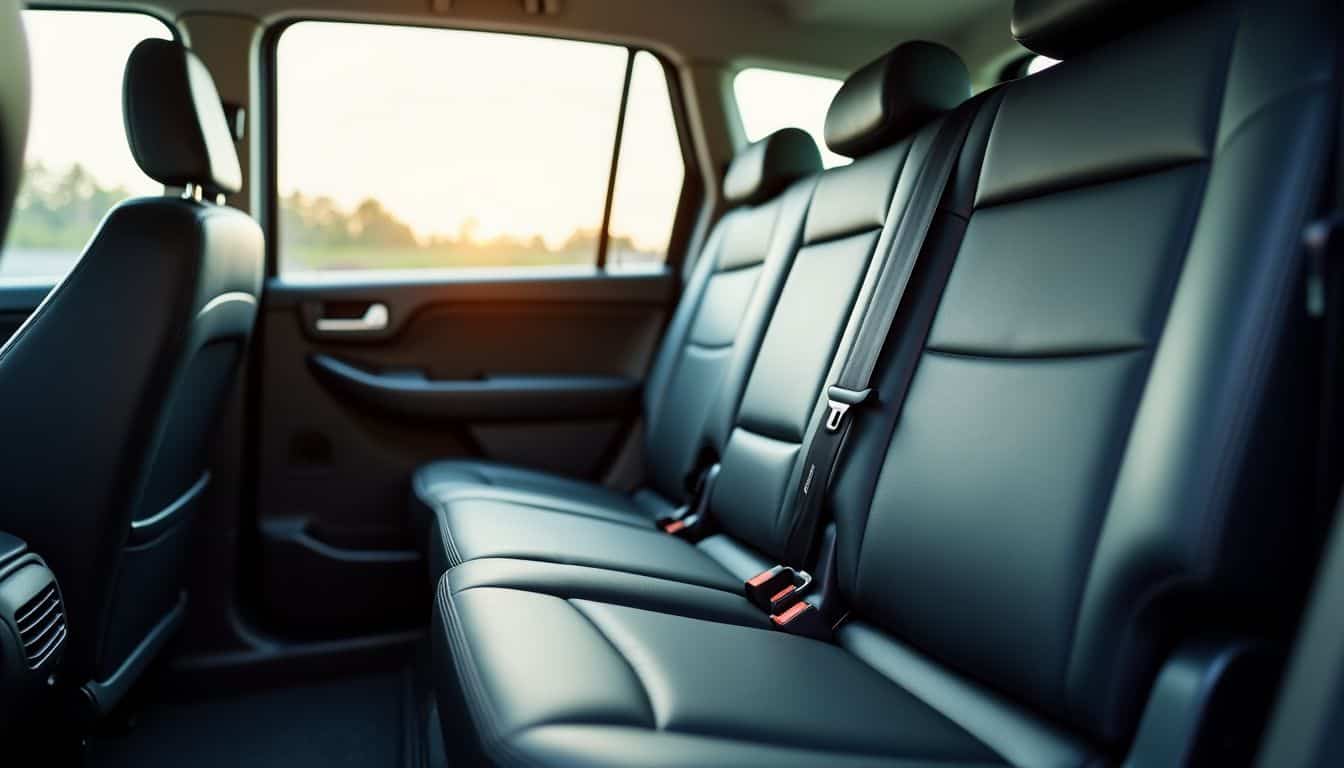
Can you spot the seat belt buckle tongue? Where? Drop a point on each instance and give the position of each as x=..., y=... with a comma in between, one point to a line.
x=839, y=400
x=774, y=590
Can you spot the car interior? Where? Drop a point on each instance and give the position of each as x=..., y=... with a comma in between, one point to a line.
x=766, y=383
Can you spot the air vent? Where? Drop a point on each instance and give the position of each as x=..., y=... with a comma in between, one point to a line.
x=41, y=624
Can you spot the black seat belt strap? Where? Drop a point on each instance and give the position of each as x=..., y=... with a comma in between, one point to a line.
x=852, y=387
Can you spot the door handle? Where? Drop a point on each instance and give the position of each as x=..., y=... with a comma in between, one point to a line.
x=374, y=319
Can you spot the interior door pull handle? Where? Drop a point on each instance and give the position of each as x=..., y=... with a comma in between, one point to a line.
x=374, y=319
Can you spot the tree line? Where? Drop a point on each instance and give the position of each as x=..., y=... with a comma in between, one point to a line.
x=60, y=209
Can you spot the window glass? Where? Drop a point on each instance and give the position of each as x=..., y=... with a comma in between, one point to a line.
x=770, y=99
x=407, y=148
x=649, y=173
x=77, y=164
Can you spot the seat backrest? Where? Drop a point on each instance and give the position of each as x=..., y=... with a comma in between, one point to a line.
x=727, y=298
x=14, y=103
x=1104, y=443
x=881, y=118
x=112, y=386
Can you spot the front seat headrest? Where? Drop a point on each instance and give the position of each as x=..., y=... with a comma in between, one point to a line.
x=1061, y=28
x=14, y=103
x=175, y=121
x=767, y=166
x=893, y=96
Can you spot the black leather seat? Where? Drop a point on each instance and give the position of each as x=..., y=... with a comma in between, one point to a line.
x=114, y=384
x=1058, y=546
x=696, y=378
x=853, y=210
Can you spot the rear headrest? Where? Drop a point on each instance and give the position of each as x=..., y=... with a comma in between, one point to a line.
x=767, y=166
x=890, y=98
x=1062, y=28
x=175, y=122
x=13, y=106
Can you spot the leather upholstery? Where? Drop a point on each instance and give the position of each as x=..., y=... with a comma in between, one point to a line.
x=1061, y=28
x=14, y=103
x=766, y=167
x=611, y=682
x=892, y=96
x=1170, y=282
x=845, y=229
x=175, y=121
x=119, y=375
x=695, y=383
x=1101, y=454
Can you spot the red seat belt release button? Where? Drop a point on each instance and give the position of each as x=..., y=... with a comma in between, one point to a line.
x=803, y=618
x=776, y=589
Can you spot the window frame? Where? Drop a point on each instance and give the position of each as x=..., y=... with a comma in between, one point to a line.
x=683, y=218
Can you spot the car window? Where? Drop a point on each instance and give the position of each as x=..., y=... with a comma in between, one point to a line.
x=771, y=99
x=77, y=164
x=649, y=173
x=420, y=149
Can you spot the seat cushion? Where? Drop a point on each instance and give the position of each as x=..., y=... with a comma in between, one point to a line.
x=539, y=679
x=467, y=528
x=439, y=481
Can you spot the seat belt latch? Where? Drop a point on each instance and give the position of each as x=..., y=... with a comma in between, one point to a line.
x=688, y=520
x=839, y=400
x=776, y=589
x=678, y=526
x=803, y=618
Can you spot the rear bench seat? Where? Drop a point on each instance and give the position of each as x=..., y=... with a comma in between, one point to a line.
x=1057, y=547
x=691, y=390
x=853, y=211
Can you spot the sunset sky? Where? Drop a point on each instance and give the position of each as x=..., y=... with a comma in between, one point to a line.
x=510, y=132
x=76, y=113
x=441, y=126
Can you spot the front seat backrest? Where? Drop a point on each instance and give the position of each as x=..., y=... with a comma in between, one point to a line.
x=14, y=99
x=113, y=385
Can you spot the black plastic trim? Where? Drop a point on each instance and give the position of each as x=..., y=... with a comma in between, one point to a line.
x=102, y=695
x=491, y=398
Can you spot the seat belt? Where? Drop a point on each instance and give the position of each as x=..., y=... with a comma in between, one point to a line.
x=852, y=387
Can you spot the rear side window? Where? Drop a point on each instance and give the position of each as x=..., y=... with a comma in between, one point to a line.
x=435, y=150
x=771, y=99
x=78, y=164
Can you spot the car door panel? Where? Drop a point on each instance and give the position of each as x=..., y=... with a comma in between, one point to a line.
x=543, y=372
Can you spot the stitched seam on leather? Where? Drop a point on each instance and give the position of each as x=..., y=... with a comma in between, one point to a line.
x=1100, y=179
x=640, y=523
x=559, y=591
x=532, y=558
x=446, y=536
x=1073, y=354
x=758, y=433
x=710, y=347
x=840, y=234
x=480, y=708
x=644, y=686
x=1306, y=88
